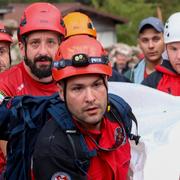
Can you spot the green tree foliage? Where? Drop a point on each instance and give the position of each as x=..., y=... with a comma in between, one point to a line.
x=31, y=1
x=133, y=10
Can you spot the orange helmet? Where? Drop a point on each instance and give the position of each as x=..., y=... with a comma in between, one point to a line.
x=4, y=36
x=79, y=55
x=41, y=16
x=78, y=23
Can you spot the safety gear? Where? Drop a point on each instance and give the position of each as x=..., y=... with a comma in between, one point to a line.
x=41, y=16
x=79, y=55
x=4, y=36
x=171, y=30
x=78, y=23
x=23, y=117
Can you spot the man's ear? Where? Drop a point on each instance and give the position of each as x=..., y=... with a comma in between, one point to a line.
x=61, y=90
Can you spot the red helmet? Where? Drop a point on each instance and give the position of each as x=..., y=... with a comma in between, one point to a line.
x=41, y=16
x=79, y=55
x=4, y=36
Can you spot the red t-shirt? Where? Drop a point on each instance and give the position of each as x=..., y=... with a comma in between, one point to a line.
x=15, y=82
x=108, y=165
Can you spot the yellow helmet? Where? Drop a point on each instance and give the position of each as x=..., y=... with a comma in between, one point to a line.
x=77, y=23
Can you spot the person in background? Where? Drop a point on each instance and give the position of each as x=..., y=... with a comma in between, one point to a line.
x=5, y=63
x=81, y=72
x=121, y=55
x=150, y=40
x=40, y=32
x=166, y=78
x=5, y=43
x=78, y=23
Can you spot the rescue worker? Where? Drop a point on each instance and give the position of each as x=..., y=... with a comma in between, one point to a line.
x=78, y=23
x=5, y=42
x=166, y=78
x=5, y=63
x=150, y=40
x=40, y=32
x=121, y=55
x=81, y=72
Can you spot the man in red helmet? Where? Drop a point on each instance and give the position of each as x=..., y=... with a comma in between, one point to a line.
x=5, y=42
x=5, y=62
x=40, y=32
x=78, y=23
x=81, y=72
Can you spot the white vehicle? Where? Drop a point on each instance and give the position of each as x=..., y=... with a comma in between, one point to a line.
x=158, y=114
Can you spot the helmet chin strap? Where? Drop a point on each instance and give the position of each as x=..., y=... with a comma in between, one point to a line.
x=104, y=78
x=166, y=53
x=10, y=59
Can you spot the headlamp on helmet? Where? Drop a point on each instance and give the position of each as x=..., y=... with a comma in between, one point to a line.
x=80, y=60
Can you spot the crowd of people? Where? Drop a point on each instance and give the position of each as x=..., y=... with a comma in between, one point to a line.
x=62, y=55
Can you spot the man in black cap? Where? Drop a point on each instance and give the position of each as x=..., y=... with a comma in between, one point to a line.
x=150, y=40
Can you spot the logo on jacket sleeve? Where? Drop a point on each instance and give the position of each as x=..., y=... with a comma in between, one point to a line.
x=60, y=176
x=119, y=136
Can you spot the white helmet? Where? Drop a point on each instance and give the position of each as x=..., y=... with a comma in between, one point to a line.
x=172, y=29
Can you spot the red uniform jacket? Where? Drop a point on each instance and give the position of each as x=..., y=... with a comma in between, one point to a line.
x=170, y=81
x=57, y=157
x=108, y=165
x=164, y=79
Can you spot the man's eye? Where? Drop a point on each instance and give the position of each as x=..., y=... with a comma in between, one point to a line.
x=98, y=84
x=156, y=39
x=144, y=40
x=172, y=48
x=76, y=88
x=3, y=51
x=52, y=42
x=34, y=43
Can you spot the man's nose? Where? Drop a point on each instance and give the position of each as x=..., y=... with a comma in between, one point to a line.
x=151, y=44
x=89, y=95
x=43, y=49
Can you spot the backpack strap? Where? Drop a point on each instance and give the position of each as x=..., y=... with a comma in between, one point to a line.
x=82, y=154
x=123, y=112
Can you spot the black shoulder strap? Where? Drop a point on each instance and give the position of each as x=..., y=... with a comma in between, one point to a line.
x=82, y=154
